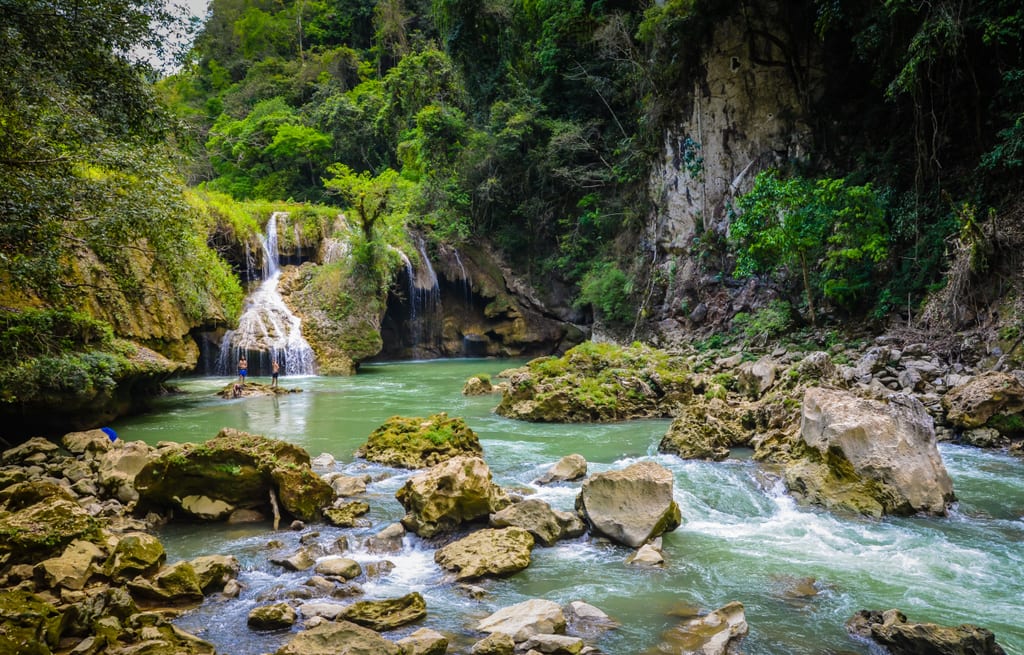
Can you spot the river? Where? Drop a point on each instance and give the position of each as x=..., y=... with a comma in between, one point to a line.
x=742, y=538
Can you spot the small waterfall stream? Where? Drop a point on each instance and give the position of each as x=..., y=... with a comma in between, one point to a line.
x=267, y=330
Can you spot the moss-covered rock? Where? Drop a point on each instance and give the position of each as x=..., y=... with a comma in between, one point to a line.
x=703, y=430
x=239, y=469
x=420, y=443
x=598, y=382
x=991, y=395
x=28, y=624
x=135, y=554
x=346, y=515
x=341, y=313
x=38, y=519
x=452, y=493
x=490, y=552
x=388, y=614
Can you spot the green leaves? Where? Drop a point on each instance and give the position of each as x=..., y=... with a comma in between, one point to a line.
x=834, y=235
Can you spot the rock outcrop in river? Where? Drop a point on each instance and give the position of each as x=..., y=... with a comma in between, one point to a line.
x=891, y=630
x=414, y=442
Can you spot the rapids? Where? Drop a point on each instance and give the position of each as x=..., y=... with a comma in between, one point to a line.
x=742, y=538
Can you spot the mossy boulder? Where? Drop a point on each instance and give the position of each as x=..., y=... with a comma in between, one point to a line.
x=346, y=515
x=135, y=554
x=38, y=519
x=388, y=614
x=415, y=443
x=175, y=584
x=272, y=617
x=598, y=382
x=487, y=553
x=444, y=497
x=28, y=624
x=703, y=430
x=992, y=399
x=234, y=470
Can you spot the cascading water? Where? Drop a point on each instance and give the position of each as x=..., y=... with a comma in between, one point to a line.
x=267, y=331
x=424, y=303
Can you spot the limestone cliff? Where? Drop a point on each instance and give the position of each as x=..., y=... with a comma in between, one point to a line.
x=748, y=112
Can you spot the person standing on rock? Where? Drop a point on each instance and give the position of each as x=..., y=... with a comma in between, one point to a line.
x=243, y=369
x=275, y=370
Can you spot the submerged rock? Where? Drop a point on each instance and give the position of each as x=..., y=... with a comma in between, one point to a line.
x=415, y=443
x=892, y=630
x=442, y=498
x=487, y=552
x=867, y=456
x=716, y=633
x=632, y=505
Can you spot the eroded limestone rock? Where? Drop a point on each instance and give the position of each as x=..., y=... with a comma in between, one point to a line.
x=892, y=630
x=443, y=497
x=547, y=525
x=415, y=443
x=487, y=552
x=631, y=505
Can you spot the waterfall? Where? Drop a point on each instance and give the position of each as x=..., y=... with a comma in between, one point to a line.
x=424, y=303
x=467, y=290
x=267, y=330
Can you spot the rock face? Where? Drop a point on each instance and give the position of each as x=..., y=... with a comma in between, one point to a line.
x=991, y=399
x=443, y=497
x=868, y=456
x=632, y=505
x=487, y=553
x=891, y=630
x=234, y=470
x=597, y=382
x=535, y=516
x=415, y=443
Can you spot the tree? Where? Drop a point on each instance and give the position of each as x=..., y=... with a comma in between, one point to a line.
x=368, y=195
x=832, y=234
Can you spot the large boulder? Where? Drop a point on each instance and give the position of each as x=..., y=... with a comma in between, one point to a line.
x=891, y=630
x=276, y=616
x=868, y=456
x=487, y=552
x=753, y=379
x=120, y=465
x=424, y=642
x=215, y=571
x=73, y=568
x=234, y=470
x=137, y=553
x=415, y=443
x=443, y=497
x=987, y=399
x=547, y=525
x=339, y=638
x=702, y=430
x=174, y=584
x=526, y=619
x=716, y=633
x=39, y=520
x=632, y=505
x=388, y=614
x=597, y=382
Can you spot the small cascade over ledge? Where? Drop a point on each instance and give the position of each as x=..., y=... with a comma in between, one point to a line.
x=267, y=331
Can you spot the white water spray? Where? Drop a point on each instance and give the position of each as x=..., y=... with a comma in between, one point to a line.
x=267, y=330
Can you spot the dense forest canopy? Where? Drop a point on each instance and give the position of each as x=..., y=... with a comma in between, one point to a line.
x=532, y=124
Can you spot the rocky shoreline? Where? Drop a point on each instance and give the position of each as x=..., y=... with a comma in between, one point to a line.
x=81, y=571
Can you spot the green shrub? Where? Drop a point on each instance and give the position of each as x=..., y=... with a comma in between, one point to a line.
x=608, y=290
x=772, y=321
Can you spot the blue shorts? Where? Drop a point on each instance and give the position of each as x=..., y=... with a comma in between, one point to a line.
x=242, y=372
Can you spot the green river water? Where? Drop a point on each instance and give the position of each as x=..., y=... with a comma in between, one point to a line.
x=742, y=539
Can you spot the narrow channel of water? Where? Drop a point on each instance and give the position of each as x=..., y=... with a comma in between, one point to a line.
x=743, y=538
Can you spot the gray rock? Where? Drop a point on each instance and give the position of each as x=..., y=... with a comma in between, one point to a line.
x=632, y=505
x=388, y=540
x=443, y=497
x=339, y=567
x=524, y=620
x=547, y=525
x=570, y=467
x=272, y=617
x=424, y=642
